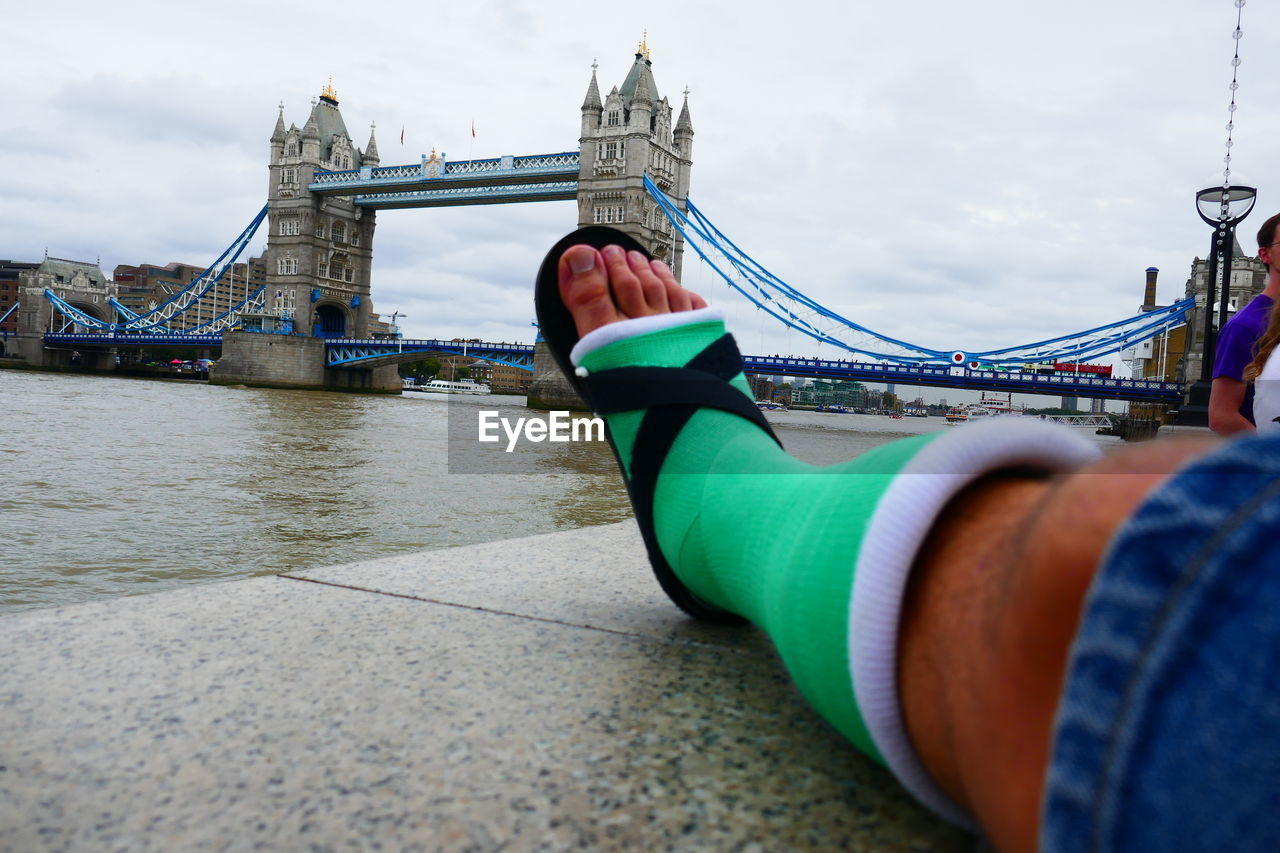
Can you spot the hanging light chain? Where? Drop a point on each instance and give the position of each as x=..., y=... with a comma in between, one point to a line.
x=1231, y=113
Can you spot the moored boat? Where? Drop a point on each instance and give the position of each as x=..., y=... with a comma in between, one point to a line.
x=444, y=386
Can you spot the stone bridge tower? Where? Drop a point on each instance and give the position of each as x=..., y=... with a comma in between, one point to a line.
x=319, y=249
x=625, y=135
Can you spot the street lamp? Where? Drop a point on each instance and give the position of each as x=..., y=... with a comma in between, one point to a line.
x=1223, y=207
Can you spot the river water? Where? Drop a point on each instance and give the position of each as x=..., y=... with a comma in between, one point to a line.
x=117, y=486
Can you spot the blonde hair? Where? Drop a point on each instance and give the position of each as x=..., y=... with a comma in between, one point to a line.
x=1264, y=345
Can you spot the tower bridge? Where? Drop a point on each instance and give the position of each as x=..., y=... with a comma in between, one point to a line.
x=309, y=324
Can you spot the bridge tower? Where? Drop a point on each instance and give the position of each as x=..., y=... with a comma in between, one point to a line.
x=624, y=135
x=320, y=248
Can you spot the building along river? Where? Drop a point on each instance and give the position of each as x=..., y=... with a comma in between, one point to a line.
x=123, y=486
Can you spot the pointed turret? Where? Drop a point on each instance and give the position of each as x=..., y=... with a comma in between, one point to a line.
x=311, y=130
x=684, y=130
x=591, y=106
x=311, y=136
x=684, y=123
x=642, y=106
x=370, y=155
x=592, y=101
x=278, y=134
x=278, y=137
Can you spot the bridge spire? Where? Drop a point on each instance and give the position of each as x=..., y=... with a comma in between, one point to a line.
x=328, y=93
x=278, y=134
x=370, y=155
x=684, y=126
x=592, y=101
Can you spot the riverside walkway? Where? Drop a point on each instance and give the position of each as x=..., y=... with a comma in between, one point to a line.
x=533, y=694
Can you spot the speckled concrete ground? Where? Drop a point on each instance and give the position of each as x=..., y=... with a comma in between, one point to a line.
x=536, y=694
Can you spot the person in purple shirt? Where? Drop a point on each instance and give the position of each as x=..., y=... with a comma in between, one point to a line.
x=1230, y=396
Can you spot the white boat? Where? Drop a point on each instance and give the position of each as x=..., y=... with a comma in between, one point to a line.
x=770, y=406
x=964, y=414
x=461, y=386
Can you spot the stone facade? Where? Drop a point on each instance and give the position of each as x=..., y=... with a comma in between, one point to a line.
x=320, y=249
x=292, y=361
x=82, y=285
x=1248, y=278
x=623, y=136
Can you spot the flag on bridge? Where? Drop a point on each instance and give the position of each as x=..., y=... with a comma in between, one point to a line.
x=402, y=136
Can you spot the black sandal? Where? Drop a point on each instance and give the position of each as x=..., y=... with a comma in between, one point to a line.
x=669, y=396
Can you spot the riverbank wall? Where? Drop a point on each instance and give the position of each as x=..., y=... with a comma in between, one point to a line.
x=532, y=694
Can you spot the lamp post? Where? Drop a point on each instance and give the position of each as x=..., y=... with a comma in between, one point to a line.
x=1223, y=207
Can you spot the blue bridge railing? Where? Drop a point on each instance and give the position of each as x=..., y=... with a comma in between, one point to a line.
x=346, y=353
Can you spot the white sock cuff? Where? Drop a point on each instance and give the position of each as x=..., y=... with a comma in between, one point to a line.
x=615, y=332
x=898, y=527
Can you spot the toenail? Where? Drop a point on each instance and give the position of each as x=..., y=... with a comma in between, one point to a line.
x=581, y=371
x=580, y=262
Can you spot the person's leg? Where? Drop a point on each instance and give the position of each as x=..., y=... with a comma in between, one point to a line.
x=1167, y=736
x=995, y=589
x=991, y=612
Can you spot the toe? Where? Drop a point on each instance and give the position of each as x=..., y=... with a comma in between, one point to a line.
x=584, y=287
x=677, y=297
x=628, y=294
x=652, y=287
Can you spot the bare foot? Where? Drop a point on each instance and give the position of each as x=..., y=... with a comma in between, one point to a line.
x=603, y=287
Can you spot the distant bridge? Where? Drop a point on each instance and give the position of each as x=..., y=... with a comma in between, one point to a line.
x=341, y=353
x=945, y=376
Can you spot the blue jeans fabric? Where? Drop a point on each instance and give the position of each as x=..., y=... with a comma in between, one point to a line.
x=1168, y=733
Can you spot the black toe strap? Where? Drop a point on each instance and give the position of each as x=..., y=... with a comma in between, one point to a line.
x=670, y=396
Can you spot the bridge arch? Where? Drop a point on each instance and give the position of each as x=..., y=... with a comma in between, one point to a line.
x=331, y=320
x=87, y=303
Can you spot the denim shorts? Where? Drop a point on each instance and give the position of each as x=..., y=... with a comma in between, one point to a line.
x=1168, y=733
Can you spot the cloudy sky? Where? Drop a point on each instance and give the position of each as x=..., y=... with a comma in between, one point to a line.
x=961, y=175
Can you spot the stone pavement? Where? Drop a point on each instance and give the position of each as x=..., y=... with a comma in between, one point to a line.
x=533, y=694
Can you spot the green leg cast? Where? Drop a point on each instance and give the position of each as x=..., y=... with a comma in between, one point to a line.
x=753, y=531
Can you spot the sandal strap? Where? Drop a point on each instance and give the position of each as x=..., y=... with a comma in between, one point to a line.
x=671, y=396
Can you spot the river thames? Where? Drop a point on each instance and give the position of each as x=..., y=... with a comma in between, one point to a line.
x=118, y=486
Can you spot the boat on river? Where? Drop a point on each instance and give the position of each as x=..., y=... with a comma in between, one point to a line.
x=964, y=414
x=445, y=386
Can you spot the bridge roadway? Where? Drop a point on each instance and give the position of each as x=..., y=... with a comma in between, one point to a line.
x=344, y=353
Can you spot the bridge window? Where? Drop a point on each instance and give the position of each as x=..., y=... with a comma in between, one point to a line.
x=289, y=226
x=613, y=118
x=322, y=270
x=287, y=266
x=355, y=236
x=338, y=233
x=348, y=274
x=319, y=228
x=289, y=175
